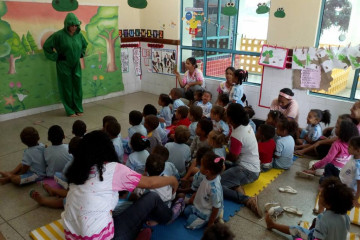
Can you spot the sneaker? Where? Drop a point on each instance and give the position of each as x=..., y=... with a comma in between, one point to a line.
x=269, y=205
x=177, y=209
x=275, y=211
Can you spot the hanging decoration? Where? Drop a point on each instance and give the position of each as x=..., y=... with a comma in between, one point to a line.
x=262, y=8
x=229, y=9
x=65, y=5
x=140, y=4
x=280, y=13
x=194, y=17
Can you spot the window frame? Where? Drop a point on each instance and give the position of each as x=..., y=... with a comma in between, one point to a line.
x=356, y=74
x=206, y=49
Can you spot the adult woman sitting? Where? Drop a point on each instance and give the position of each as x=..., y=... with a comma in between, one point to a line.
x=244, y=154
x=95, y=178
x=193, y=79
x=286, y=104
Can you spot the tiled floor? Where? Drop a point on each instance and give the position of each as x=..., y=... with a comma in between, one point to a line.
x=19, y=214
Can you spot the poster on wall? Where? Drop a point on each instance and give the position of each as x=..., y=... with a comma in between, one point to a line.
x=163, y=61
x=310, y=78
x=29, y=79
x=273, y=56
x=124, y=60
x=137, y=61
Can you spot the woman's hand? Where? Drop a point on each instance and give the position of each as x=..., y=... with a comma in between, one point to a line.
x=187, y=86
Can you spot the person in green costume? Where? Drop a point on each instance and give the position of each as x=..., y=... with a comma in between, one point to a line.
x=69, y=45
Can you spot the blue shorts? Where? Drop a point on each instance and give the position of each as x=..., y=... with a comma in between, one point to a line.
x=195, y=218
x=300, y=232
x=29, y=177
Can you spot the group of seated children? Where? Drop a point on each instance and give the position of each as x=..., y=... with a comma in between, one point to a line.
x=191, y=143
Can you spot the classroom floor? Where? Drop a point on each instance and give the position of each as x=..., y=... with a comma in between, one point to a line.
x=19, y=214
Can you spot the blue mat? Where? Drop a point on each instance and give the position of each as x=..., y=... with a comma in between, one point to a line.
x=177, y=231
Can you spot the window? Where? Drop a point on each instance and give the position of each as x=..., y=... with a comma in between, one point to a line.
x=339, y=28
x=218, y=39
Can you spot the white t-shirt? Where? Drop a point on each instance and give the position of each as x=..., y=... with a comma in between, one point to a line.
x=88, y=206
x=209, y=195
x=179, y=155
x=350, y=173
x=56, y=157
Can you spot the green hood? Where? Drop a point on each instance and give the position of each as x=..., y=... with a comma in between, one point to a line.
x=71, y=19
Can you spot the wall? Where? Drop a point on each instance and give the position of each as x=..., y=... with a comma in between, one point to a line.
x=298, y=28
x=131, y=82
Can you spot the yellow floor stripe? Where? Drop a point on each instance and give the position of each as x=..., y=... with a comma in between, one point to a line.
x=42, y=234
x=59, y=224
x=52, y=231
x=356, y=216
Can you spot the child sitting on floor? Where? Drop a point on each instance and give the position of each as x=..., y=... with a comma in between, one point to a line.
x=334, y=223
x=135, y=119
x=250, y=112
x=179, y=152
x=182, y=119
x=338, y=154
x=266, y=145
x=203, y=128
x=313, y=131
x=217, y=141
x=205, y=104
x=273, y=117
x=195, y=114
x=137, y=158
x=284, y=152
x=169, y=169
x=155, y=167
x=208, y=201
x=175, y=95
x=150, y=109
x=151, y=124
x=32, y=167
x=57, y=155
x=322, y=147
x=197, y=97
x=223, y=100
x=218, y=119
x=56, y=198
x=113, y=129
x=79, y=128
x=165, y=115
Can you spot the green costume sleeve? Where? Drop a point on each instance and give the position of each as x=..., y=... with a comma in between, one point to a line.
x=48, y=48
x=84, y=46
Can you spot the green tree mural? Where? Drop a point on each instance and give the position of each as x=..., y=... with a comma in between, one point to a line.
x=17, y=51
x=102, y=33
x=32, y=43
x=26, y=44
x=5, y=32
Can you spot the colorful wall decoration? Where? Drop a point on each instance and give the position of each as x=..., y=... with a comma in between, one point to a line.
x=163, y=61
x=28, y=79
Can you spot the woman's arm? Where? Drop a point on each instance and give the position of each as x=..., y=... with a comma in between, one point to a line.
x=157, y=182
x=178, y=78
x=48, y=48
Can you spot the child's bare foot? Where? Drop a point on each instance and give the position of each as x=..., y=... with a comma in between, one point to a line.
x=47, y=189
x=4, y=180
x=269, y=222
x=5, y=174
x=36, y=196
x=151, y=223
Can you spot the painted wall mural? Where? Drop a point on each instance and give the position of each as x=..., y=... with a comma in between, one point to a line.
x=28, y=79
